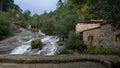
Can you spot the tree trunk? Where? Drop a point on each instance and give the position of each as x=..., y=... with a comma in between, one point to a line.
x=1, y=5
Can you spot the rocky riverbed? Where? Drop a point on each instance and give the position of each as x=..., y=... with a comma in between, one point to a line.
x=10, y=43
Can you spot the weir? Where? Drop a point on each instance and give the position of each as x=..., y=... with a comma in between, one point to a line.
x=64, y=61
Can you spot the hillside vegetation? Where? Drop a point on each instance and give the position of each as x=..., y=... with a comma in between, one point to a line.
x=60, y=22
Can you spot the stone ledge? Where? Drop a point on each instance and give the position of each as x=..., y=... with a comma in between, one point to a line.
x=108, y=61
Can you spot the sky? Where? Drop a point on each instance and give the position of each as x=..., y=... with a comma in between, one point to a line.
x=37, y=6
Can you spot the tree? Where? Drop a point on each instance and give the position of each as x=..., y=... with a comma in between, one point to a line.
x=1, y=4
x=59, y=4
x=17, y=8
x=74, y=42
x=5, y=5
x=108, y=10
x=65, y=25
x=48, y=27
x=26, y=15
x=5, y=26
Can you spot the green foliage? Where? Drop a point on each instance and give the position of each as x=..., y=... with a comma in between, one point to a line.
x=74, y=42
x=5, y=26
x=65, y=51
x=61, y=20
x=116, y=53
x=60, y=43
x=15, y=29
x=108, y=10
x=5, y=5
x=94, y=50
x=59, y=4
x=8, y=16
x=26, y=15
x=36, y=44
x=13, y=14
x=26, y=19
x=48, y=27
x=65, y=25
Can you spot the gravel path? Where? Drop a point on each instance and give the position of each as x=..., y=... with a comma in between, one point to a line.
x=10, y=43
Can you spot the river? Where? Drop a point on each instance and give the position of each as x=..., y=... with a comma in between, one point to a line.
x=50, y=46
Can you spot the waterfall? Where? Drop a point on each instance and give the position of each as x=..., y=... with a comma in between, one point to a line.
x=24, y=48
x=50, y=46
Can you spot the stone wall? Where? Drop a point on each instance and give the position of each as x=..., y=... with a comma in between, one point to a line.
x=70, y=61
x=108, y=37
x=103, y=37
x=96, y=37
x=80, y=27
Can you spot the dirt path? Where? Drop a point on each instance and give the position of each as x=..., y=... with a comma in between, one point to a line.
x=10, y=43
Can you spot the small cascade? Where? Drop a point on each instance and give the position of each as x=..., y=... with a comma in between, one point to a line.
x=23, y=49
x=50, y=46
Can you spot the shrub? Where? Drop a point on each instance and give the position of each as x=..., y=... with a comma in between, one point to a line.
x=47, y=27
x=94, y=50
x=65, y=51
x=36, y=44
x=15, y=29
x=116, y=53
x=65, y=24
x=60, y=43
x=5, y=26
x=74, y=42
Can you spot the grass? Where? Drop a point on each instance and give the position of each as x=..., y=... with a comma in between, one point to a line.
x=65, y=51
x=101, y=51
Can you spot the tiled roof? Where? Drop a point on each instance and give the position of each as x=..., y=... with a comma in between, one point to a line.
x=90, y=21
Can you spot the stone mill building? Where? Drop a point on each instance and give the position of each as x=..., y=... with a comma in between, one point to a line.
x=99, y=34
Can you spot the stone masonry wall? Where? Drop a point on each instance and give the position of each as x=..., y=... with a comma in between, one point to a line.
x=103, y=37
x=80, y=27
x=108, y=37
x=96, y=37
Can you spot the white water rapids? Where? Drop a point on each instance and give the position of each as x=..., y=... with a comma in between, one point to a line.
x=50, y=46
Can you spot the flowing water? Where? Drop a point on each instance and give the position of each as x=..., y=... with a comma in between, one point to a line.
x=50, y=46
x=22, y=49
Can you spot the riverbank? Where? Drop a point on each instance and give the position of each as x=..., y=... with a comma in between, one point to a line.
x=8, y=44
x=66, y=61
